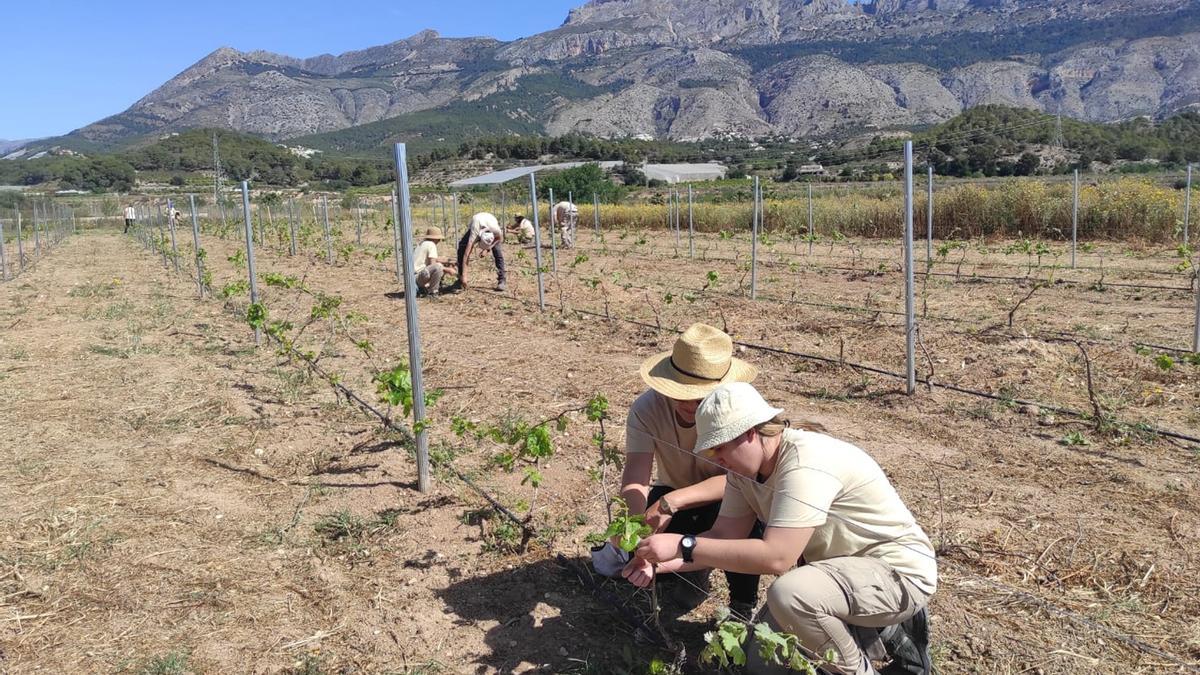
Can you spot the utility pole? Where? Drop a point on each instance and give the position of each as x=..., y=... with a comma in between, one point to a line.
x=217, y=179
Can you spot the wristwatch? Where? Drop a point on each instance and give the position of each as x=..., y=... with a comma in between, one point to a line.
x=687, y=545
x=664, y=507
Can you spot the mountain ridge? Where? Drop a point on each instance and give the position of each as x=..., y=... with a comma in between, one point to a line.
x=687, y=69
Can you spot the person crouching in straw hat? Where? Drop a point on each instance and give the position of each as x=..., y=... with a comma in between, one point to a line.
x=660, y=431
x=427, y=267
x=868, y=565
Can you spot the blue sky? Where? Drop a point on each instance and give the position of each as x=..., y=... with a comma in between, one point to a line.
x=66, y=64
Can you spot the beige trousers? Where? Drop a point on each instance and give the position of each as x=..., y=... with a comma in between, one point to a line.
x=821, y=602
x=430, y=277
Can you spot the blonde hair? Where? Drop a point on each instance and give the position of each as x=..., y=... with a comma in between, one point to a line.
x=776, y=425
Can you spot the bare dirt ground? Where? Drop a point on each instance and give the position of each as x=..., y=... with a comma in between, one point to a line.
x=176, y=498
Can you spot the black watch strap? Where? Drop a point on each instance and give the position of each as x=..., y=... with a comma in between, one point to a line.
x=687, y=545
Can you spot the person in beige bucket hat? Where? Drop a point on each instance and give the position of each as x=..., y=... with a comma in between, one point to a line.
x=427, y=267
x=660, y=430
x=855, y=570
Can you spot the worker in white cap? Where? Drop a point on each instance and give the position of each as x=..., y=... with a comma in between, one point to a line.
x=483, y=234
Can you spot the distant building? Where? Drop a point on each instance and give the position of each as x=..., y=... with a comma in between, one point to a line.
x=811, y=170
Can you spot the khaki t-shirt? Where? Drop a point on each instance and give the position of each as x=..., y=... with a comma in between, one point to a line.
x=817, y=474
x=422, y=254
x=651, y=427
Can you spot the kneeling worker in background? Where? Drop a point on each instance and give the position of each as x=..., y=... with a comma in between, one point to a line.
x=483, y=234
x=522, y=228
x=868, y=569
x=427, y=267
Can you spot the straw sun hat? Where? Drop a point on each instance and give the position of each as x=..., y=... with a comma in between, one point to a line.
x=433, y=233
x=701, y=360
x=728, y=412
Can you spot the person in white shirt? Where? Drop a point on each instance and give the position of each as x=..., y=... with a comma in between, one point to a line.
x=565, y=216
x=522, y=228
x=483, y=234
x=427, y=267
x=130, y=216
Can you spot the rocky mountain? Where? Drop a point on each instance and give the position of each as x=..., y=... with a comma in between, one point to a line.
x=687, y=69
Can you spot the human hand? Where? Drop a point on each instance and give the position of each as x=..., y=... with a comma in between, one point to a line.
x=639, y=572
x=658, y=548
x=656, y=519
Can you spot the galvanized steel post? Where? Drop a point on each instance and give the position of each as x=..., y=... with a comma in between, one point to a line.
x=291, y=227
x=196, y=247
x=910, y=328
x=929, y=222
x=454, y=216
x=249, y=226
x=328, y=234
x=396, y=235
x=1187, y=207
x=691, y=225
x=1075, y=219
x=171, y=224
x=358, y=223
x=20, y=240
x=411, y=318
x=537, y=240
x=553, y=224
x=754, y=246
x=3, y=257
x=596, y=212
x=810, y=219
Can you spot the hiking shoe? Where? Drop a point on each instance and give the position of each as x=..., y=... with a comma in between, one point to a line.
x=907, y=644
x=501, y=287
x=455, y=287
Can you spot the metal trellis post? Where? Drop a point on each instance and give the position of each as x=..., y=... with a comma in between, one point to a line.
x=328, y=234
x=810, y=219
x=910, y=328
x=553, y=246
x=196, y=246
x=929, y=222
x=537, y=241
x=411, y=318
x=691, y=225
x=249, y=226
x=596, y=212
x=291, y=227
x=20, y=241
x=754, y=246
x=3, y=257
x=171, y=225
x=1075, y=219
x=1187, y=207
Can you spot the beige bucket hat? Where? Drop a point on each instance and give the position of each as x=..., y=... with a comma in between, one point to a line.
x=433, y=234
x=728, y=412
x=701, y=360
